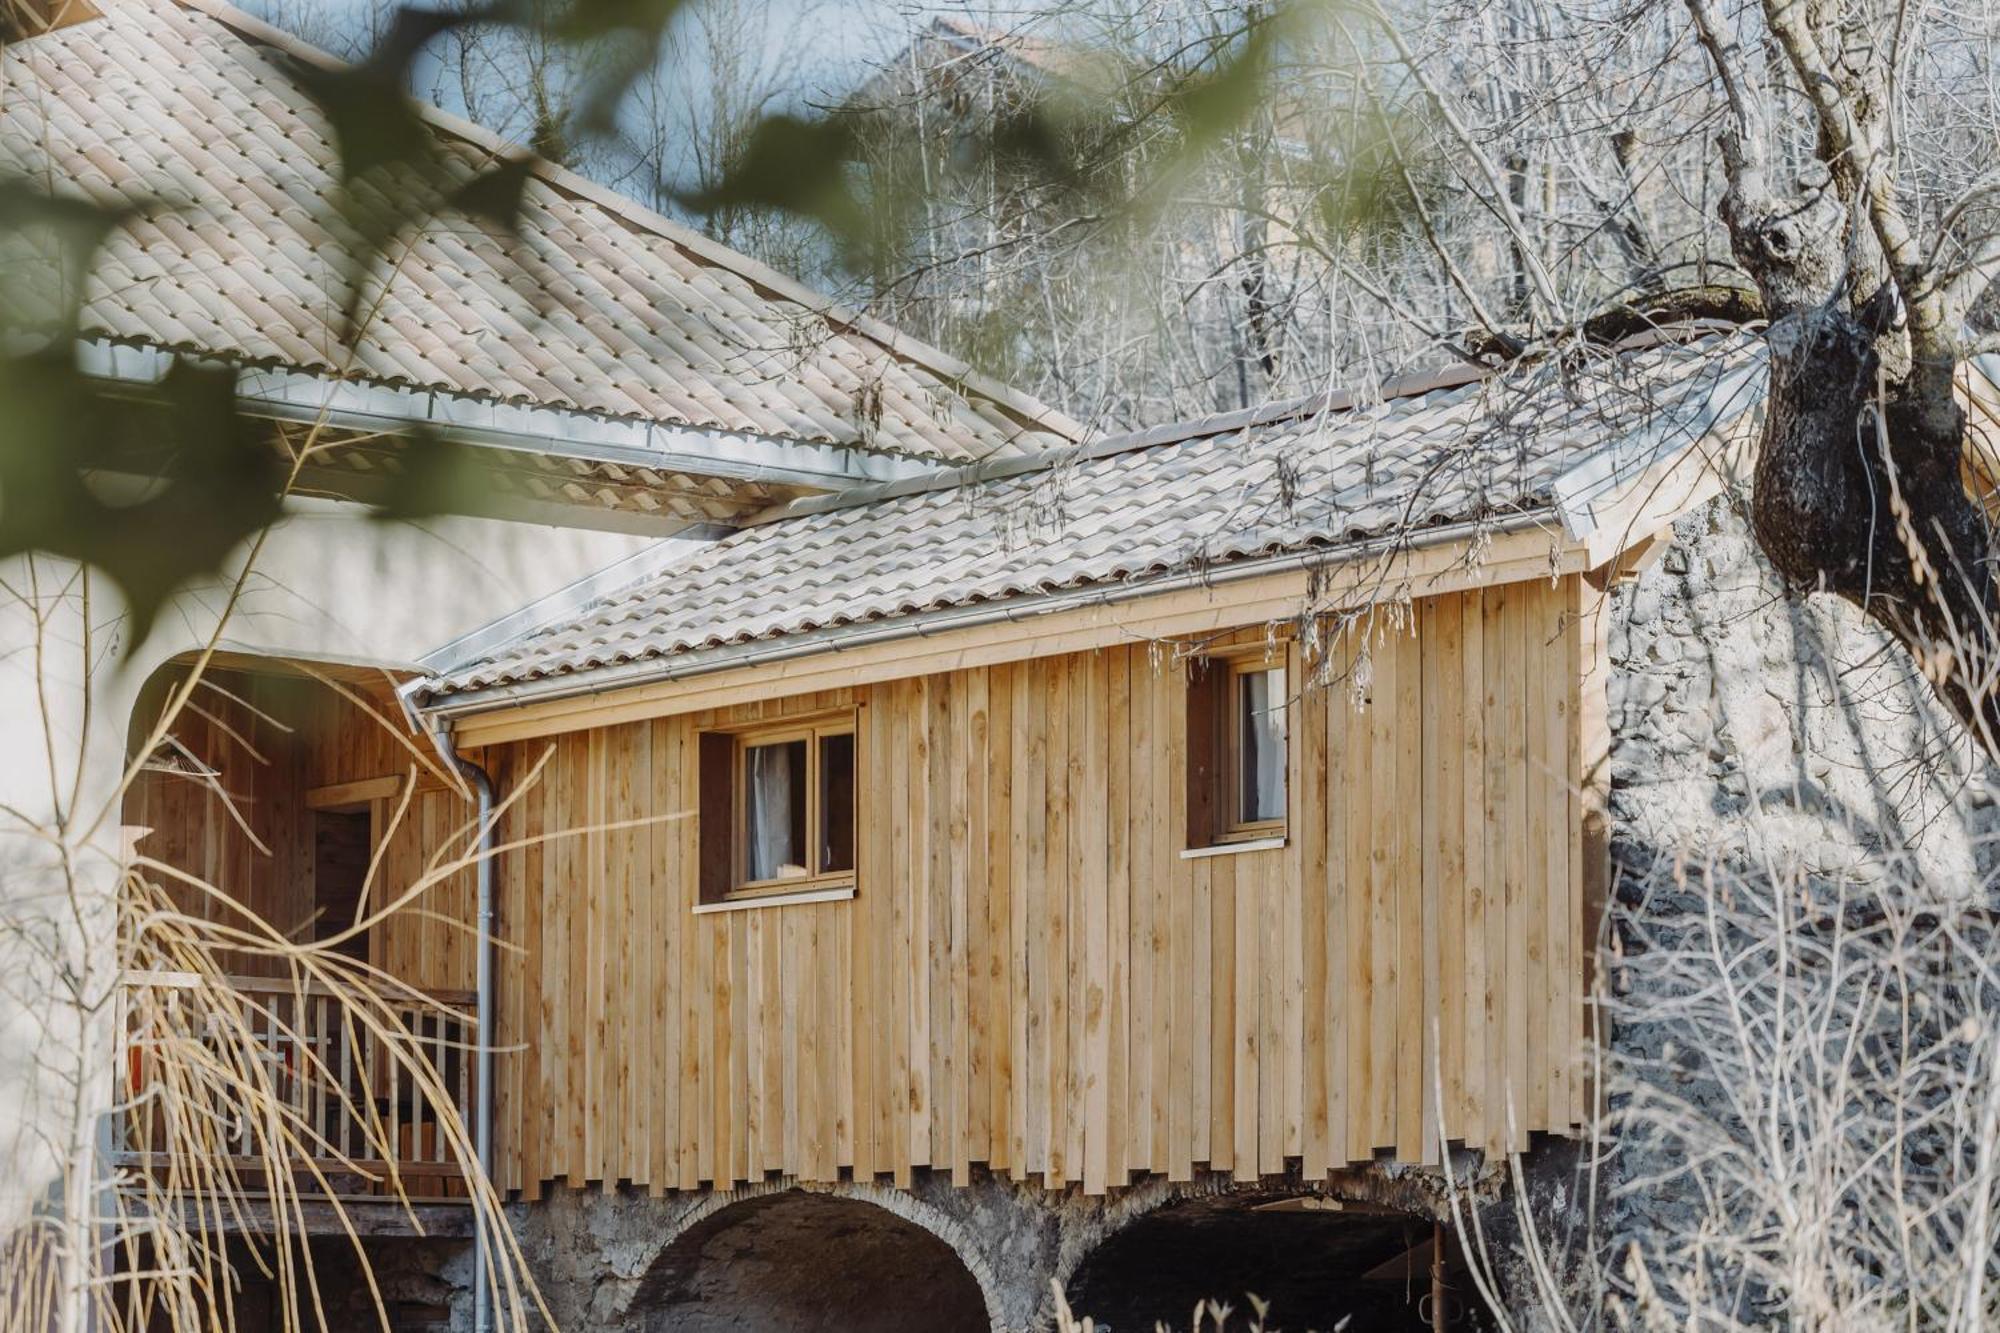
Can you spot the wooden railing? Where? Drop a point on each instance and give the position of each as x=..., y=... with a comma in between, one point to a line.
x=371, y=1105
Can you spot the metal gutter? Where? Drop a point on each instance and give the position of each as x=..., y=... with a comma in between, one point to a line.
x=843, y=638
x=486, y=919
x=307, y=397
x=500, y=502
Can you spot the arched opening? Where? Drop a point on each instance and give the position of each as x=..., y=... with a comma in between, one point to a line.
x=272, y=788
x=806, y=1262
x=1314, y=1262
x=288, y=803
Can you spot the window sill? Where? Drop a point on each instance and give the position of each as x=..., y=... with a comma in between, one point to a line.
x=829, y=893
x=1231, y=848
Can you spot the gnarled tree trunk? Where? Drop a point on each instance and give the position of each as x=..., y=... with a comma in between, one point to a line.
x=1858, y=489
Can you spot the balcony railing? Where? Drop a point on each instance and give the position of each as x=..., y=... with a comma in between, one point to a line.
x=368, y=1106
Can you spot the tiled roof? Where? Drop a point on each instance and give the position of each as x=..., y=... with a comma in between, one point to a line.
x=195, y=114
x=1037, y=52
x=1314, y=478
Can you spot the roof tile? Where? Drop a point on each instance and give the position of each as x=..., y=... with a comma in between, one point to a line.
x=194, y=114
x=1125, y=511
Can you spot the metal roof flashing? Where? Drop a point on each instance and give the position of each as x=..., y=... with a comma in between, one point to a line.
x=572, y=598
x=1580, y=492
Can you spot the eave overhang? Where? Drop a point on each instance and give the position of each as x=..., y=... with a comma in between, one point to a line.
x=1416, y=563
x=597, y=463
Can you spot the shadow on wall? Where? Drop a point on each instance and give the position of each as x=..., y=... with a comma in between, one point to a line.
x=1315, y=1268
x=808, y=1262
x=1799, y=830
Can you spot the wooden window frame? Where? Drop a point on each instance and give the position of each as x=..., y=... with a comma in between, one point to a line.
x=1215, y=750
x=813, y=731
x=1232, y=827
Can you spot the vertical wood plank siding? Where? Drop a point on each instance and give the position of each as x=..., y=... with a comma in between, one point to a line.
x=236, y=728
x=271, y=738
x=1031, y=975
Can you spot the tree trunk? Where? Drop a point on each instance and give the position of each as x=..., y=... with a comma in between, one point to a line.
x=1858, y=492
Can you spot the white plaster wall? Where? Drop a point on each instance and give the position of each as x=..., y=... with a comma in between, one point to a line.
x=329, y=583
x=332, y=582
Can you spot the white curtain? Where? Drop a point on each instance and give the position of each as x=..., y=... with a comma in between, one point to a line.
x=1263, y=726
x=769, y=825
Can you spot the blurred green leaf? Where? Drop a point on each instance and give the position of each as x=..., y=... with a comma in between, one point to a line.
x=438, y=476
x=1219, y=95
x=587, y=20
x=619, y=67
x=154, y=492
x=25, y=204
x=624, y=39
x=390, y=158
x=43, y=295
x=494, y=195
x=154, y=488
x=375, y=121
x=802, y=166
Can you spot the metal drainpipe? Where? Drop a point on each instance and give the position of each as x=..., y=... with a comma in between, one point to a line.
x=482, y=1097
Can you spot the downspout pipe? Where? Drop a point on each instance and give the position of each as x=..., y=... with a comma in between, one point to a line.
x=482, y=1094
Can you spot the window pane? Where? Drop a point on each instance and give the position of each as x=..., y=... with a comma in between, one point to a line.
x=836, y=803
x=774, y=810
x=1260, y=725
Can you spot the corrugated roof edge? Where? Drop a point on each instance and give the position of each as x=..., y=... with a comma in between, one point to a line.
x=1414, y=384
x=1032, y=412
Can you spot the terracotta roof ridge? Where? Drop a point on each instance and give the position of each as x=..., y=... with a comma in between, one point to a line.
x=1032, y=411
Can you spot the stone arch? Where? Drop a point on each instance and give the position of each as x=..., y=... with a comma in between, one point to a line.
x=1308, y=1248
x=880, y=1259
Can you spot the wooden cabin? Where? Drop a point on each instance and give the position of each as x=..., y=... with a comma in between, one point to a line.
x=910, y=829
x=1048, y=921
x=858, y=843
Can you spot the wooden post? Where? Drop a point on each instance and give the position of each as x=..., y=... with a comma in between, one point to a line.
x=1441, y=1311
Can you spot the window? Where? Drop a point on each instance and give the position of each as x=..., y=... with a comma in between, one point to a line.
x=1256, y=749
x=1237, y=757
x=777, y=809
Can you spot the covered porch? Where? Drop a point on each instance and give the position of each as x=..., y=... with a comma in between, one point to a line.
x=299, y=999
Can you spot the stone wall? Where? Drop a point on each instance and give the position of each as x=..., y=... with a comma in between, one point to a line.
x=620, y=1259
x=1760, y=739
x=1749, y=720
x=425, y=1286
